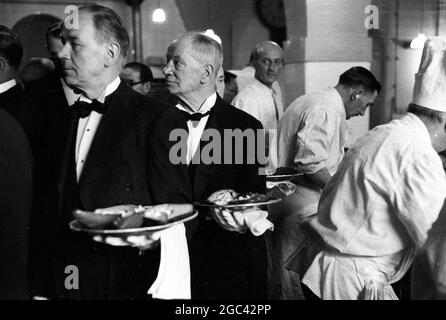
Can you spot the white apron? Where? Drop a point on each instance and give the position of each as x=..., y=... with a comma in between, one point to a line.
x=334, y=276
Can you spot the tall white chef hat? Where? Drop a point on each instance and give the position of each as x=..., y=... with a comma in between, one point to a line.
x=430, y=80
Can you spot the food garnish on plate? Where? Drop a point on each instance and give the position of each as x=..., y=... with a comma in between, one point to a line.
x=116, y=217
x=250, y=197
x=230, y=198
x=223, y=197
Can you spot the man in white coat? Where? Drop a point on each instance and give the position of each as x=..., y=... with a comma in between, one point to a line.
x=377, y=209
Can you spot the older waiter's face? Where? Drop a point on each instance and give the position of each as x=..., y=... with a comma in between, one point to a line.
x=82, y=56
x=184, y=69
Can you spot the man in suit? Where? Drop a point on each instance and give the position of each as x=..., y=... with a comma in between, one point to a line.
x=137, y=76
x=51, y=93
x=99, y=150
x=227, y=262
x=35, y=68
x=13, y=99
x=15, y=204
x=51, y=96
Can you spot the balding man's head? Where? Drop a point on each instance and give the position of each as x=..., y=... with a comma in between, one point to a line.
x=193, y=61
x=11, y=49
x=35, y=68
x=108, y=25
x=267, y=59
x=93, y=54
x=203, y=47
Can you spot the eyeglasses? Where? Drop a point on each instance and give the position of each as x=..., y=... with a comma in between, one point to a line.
x=131, y=84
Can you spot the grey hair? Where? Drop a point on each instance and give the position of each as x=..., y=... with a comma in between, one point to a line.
x=109, y=26
x=206, y=48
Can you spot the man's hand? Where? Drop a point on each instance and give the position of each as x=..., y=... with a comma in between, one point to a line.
x=231, y=221
x=316, y=180
x=142, y=242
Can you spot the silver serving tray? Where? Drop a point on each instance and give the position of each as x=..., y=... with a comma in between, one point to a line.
x=237, y=206
x=281, y=177
x=78, y=227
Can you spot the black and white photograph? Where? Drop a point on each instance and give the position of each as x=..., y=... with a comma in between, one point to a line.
x=221, y=156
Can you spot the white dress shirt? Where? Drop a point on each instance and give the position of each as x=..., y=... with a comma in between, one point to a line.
x=312, y=134
x=244, y=77
x=264, y=104
x=87, y=128
x=5, y=86
x=196, y=128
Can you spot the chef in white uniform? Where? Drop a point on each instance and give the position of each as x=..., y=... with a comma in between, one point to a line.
x=377, y=209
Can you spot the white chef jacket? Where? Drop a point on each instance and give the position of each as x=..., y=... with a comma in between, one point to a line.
x=380, y=204
x=312, y=134
x=386, y=194
x=265, y=104
x=429, y=270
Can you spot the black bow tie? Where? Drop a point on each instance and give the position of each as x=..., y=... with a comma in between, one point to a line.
x=194, y=116
x=83, y=109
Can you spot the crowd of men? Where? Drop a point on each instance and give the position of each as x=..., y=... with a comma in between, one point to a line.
x=84, y=134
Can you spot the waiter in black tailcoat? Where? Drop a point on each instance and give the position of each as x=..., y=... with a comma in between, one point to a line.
x=227, y=262
x=99, y=151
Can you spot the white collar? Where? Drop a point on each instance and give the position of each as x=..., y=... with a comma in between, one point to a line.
x=340, y=104
x=111, y=87
x=263, y=86
x=5, y=86
x=249, y=71
x=205, y=107
x=422, y=127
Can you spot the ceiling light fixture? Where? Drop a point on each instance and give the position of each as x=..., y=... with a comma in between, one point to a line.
x=159, y=15
x=420, y=39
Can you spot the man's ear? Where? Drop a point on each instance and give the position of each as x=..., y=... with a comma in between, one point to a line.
x=207, y=73
x=112, y=53
x=356, y=93
x=147, y=86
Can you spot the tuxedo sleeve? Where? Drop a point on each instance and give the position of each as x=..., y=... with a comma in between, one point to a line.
x=251, y=177
x=168, y=181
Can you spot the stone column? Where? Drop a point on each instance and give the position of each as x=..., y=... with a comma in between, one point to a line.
x=325, y=38
x=137, y=29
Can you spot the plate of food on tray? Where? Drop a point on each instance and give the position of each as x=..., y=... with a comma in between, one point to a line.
x=131, y=220
x=231, y=200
